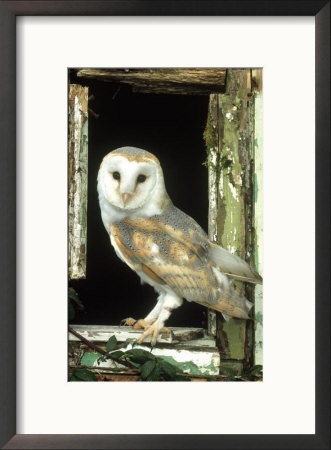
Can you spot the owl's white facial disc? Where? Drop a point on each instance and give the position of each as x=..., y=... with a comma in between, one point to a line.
x=128, y=184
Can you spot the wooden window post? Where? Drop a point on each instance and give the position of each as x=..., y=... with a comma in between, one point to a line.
x=77, y=179
x=233, y=174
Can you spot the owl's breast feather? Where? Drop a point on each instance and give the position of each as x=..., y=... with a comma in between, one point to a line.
x=117, y=247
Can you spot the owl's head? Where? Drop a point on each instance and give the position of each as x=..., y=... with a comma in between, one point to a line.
x=130, y=178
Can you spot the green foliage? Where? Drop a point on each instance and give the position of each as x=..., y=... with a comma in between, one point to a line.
x=168, y=370
x=138, y=356
x=116, y=355
x=159, y=368
x=152, y=367
x=89, y=358
x=148, y=369
x=230, y=373
x=111, y=344
x=71, y=311
x=255, y=373
x=81, y=374
x=74, y=303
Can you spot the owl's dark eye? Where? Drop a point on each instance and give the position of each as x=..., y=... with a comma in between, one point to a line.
x=141, y=178
x=116, y=175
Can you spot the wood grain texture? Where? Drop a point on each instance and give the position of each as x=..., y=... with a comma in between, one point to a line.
x=101, y=333
x=258, y=225
x=77, y=180
x=229, y=138
x=188, y=348
x=170, y=81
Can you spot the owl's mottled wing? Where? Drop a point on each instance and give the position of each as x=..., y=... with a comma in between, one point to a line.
x=169, y=249
x=172, y=249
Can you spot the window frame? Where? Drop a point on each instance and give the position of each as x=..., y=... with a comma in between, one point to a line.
x=243, y=86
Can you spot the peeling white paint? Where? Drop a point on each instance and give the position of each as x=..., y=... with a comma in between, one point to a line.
x=234, y=192
x=212, y=216
x=208, y=362
x=258, y=225
x=78, y=182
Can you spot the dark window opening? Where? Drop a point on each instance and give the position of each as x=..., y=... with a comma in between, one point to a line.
x=171, y=127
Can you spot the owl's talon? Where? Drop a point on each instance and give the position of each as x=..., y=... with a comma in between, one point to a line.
x=155, y=329
x=166, y=330
x=142, y=323
x=128, y=322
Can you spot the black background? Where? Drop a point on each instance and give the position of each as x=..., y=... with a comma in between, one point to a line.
x=170, y=126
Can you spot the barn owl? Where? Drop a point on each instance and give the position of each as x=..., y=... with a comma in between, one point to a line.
x=162, y=244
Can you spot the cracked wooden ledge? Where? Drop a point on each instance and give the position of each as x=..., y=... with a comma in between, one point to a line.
x=191, y=349
x=101, y=333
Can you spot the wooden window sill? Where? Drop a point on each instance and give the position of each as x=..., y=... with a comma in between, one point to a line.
x=190, y=348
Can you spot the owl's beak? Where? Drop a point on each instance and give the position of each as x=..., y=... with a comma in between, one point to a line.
x=126, y=197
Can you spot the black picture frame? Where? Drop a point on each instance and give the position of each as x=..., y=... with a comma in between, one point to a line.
x=8, y=12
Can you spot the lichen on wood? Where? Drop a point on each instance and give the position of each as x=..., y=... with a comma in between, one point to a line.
x=77, y=180
x=258, y=215
x=229, y=138
x=197, y=81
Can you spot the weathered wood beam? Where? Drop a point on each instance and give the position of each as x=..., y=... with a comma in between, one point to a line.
x=77, y=182
x=229, y=137
x=258, y=213
x=101, y=333
x=168, y=81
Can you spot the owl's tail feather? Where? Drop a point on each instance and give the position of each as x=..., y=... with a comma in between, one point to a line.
x=233, y=266
x=233, y=305
x=229, y=301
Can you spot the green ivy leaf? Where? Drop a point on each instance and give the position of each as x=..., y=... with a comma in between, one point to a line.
x=111, y=344
x=71, y=311
x=168, y=370
x=84, y=375
x=138, y=355
x=101, y=359
x=147, y=368
x=255, y=370
x=231, y=373
x=73, y=378
x=89, y=358
x=117, y=355
x=73, y=295
x=155, y=375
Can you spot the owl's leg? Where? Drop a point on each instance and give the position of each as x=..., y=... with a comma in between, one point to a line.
x=170, y=302
x=152, y=316
x=149, y=319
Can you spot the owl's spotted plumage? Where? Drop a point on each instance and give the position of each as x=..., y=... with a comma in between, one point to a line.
x=165, y=246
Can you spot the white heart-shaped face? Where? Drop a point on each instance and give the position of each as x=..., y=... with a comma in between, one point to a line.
x=128, y=184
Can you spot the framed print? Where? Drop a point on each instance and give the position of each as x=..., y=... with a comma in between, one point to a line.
x=118, y=82
x=145, y=107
